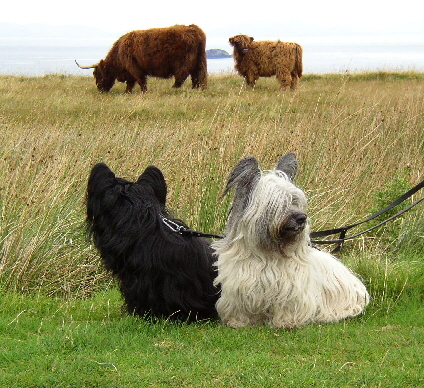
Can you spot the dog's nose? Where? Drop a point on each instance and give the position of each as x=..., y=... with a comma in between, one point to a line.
x=300, y=218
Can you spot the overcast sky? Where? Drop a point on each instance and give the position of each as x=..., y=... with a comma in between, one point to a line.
x=126, y=15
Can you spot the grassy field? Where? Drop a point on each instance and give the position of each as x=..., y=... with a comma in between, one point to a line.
x=360, y=143
x=47, y=342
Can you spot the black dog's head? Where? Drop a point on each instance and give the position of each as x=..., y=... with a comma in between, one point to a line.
x=161, y=272
x=122, y=214
x=117, y=198
x=102, y=180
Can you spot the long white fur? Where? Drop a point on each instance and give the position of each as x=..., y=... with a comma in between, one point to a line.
x=286, y=285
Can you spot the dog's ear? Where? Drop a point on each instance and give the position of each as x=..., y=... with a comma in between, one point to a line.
x=102, y=169
x=101, y=179
x=153, y=177
x=101, y=176
x=243, y=176
x=288, y=164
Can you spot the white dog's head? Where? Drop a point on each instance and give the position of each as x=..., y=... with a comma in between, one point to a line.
x=268, y=209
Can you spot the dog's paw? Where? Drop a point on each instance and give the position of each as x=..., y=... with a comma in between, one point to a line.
x=278, y=324
x=236, y=323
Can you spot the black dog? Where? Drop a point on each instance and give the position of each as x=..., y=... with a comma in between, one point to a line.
x=161, y=273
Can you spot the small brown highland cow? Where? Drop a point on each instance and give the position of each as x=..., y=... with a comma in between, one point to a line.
x=266, y=59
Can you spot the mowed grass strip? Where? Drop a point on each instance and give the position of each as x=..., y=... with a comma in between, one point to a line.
x=48, y=342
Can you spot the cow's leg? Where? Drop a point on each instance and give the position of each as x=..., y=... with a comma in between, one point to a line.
x=195, y=84
x=142, y=81
x=284, y=78
x=294, y=80
x=199, y=79
x=178, y=82
x=130, y=86
x=136, y=73
x=195, y=81
x=251, y=78
x=180, y=77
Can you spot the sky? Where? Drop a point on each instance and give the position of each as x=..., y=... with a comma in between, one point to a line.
x=360, y=16
x=320, y=26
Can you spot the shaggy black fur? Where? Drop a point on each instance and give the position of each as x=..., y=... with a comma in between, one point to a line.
x=161, y=273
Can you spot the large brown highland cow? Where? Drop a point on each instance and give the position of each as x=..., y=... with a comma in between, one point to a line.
x=177, y=51
x=266, y=59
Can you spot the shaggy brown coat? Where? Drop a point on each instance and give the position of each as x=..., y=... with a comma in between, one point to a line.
x=177, y=51
x=266, y=59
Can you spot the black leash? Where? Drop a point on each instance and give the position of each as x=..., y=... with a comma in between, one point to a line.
x=184, y=231
x=342, y=238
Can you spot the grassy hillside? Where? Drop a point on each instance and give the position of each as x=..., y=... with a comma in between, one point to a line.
x=359, y=140
x=360, y=143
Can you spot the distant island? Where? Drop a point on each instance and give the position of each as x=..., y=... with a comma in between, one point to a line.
x=217, y=54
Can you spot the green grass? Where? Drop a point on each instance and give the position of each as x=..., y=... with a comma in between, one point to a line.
x=86, y=343
x=360, y=143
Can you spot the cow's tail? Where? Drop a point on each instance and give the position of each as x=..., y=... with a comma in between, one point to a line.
x=298, y=61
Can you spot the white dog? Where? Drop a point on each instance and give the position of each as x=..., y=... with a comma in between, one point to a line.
x=268, y=271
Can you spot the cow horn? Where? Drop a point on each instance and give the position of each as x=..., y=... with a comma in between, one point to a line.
x=85, y=67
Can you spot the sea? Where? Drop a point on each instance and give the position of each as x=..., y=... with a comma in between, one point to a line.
x=39, y=57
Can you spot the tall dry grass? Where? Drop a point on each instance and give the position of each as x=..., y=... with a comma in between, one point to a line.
x=353, y=135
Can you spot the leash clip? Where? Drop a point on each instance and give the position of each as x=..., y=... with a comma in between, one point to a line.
x=173, y=225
